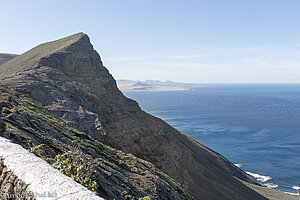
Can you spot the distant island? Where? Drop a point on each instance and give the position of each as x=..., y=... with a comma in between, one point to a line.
x=154, y=85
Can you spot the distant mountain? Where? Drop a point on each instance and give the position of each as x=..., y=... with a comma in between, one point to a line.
x=4, y=57
x=154, y=85
x=141, y=84
x=125, y=82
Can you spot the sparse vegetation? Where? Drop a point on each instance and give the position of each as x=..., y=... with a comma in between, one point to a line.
x=34, y=150
x=144, y=198
x=73, y=165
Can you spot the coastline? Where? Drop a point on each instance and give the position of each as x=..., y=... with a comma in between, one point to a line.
x=270, y=193
x=269, y=184
x=268, y=189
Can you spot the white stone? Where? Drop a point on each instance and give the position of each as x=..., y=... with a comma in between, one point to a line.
x=44, y=181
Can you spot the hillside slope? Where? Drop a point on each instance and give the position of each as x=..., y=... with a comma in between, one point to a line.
x=4, y=57
x=119, y=175
x=69, y=79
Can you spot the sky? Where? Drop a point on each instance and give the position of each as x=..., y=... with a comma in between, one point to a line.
x=198, y=41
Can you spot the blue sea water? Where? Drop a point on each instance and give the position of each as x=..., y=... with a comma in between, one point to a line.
x=255, y=126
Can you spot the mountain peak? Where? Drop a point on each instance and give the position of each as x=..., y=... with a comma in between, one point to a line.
x=35, y=55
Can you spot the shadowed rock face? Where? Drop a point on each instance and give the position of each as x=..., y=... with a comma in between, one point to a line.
x=72, y=82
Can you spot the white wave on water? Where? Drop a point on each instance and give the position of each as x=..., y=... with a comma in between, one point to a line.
x=290, y=193
x=260, y=178
x=295, y=187
x=238, y=165
x=270, y=185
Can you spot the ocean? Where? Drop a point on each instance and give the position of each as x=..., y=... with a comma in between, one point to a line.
x=255, y=126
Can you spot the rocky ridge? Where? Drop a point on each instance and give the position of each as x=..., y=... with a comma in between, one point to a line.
x=68, y=78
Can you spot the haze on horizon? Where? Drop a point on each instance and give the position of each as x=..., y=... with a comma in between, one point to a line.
x=200, y=41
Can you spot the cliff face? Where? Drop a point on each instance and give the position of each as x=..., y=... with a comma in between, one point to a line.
x=69, y=79
x=119, y=175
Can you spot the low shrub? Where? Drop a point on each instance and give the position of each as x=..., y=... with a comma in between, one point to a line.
x=72, y=164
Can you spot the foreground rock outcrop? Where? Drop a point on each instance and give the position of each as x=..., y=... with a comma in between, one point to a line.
x=11, y=187
x=27, y=177
x=119, y=175
x=68, y=78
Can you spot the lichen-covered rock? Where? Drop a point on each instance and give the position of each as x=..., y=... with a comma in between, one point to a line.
x=119, y=175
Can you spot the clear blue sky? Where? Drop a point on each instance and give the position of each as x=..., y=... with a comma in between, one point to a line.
x=187, y=40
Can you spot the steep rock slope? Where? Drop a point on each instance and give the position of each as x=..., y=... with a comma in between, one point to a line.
x=119, y=175
x=68, y=78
